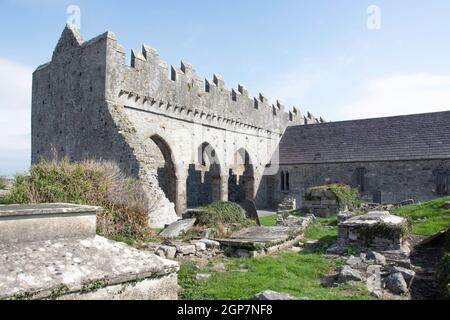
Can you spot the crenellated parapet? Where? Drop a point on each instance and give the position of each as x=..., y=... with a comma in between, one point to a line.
x=148, y=83
x=183, y=89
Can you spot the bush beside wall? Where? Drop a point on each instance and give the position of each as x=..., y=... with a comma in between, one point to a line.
x=88, y=183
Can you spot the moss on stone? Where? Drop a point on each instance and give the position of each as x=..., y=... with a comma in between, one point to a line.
x=221, y=213
x=346, y=196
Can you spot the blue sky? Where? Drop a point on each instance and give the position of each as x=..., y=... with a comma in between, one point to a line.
x=317, y=55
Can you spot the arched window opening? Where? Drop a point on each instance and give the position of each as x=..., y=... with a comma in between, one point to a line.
x=287, y=182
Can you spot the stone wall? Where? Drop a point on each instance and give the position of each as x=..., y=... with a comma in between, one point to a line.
x=89, y=104
x=390, y=182
x=51, y=251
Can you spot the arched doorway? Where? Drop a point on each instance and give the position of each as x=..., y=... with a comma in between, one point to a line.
x=203, y=182
x=241, y=182
x=165, y=168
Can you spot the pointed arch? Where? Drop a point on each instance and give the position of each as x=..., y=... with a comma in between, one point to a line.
x=204, y=182
x=166, y=172
x=241, y=184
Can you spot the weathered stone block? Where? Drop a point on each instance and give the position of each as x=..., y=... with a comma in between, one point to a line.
x=178, y=228
x=376, y=230
x=87, y=268
x=186, y=249
x=26, y=223
x=272, y=295
x=168, y=252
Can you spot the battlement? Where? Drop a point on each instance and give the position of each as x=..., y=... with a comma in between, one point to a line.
x=148, y=75
x=148, y=79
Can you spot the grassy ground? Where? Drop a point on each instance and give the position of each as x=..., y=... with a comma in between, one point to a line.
x=298, y=274
x=268, y=221
x=324, y=230
x=427, y=218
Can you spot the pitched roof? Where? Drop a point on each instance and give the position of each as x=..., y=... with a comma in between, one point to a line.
x=412, y=137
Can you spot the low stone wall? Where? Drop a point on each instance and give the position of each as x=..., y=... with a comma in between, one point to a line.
x=75, y=264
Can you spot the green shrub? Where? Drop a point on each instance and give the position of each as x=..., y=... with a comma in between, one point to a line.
x=346, y=195
x=88, y=183
x=220, y=214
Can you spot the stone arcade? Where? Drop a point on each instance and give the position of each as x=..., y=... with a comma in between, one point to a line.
x=192, y=142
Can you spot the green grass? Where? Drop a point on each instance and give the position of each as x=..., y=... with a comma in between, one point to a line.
x=324, y=230
x=427, y=218
x=269, y=221
x=298, y=274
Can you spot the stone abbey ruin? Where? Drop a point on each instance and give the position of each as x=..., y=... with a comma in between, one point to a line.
x=192, y=142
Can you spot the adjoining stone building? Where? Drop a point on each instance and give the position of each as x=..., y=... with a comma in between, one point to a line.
x=389, y=159
x=193, y=141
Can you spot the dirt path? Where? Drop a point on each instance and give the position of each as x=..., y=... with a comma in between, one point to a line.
x=426, y=285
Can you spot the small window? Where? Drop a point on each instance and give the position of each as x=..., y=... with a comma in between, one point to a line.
x=284, y=181
x=287, y=182
x=442, y=184
x=361, y=179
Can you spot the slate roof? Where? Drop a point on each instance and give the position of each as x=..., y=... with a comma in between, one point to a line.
x=412, y=137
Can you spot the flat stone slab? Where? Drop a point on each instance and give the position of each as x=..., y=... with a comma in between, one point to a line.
x=273, y=295
x=263, y=238
x=41, y=222
x=375, y=217
x=19, y=210
x=39, y=270
x=177, y=228
x=260, y=235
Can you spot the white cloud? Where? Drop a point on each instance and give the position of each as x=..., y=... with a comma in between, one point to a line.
x=15, y=116
x=400, y=95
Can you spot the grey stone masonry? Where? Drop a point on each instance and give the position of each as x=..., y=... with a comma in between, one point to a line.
x=89, y=104
x=51, y=251
x=25, y=223
x=72, y=268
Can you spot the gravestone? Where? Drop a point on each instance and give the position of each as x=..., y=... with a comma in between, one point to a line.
x=250, y=210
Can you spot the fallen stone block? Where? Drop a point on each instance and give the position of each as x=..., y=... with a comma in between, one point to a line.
x=396, y=284
x=219, y=267
x=378, y=258
x=348, y=274
x=177, y=228
x=202, y=277
x=185, y=249
x=210, y=244
x=356, y=262
x=447, y=205
x=168, y=252
x=314, y=244
x=273, y=295
x=199, y=246
x=407, y=274
x=374, y=285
